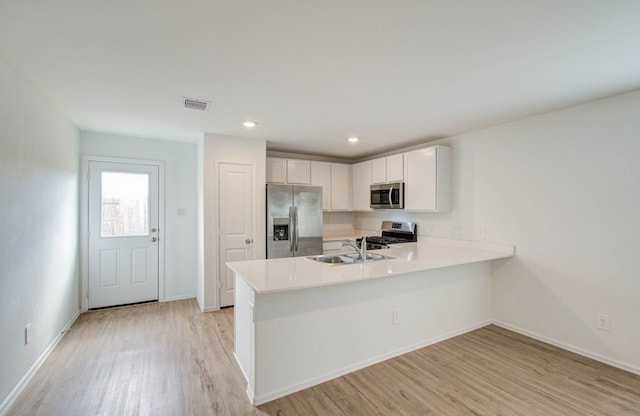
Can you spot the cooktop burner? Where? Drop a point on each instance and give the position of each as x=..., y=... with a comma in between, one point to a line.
x=385, y=240
x=392, y=233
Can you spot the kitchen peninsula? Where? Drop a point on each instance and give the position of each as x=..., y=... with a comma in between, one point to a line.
x=300, y=322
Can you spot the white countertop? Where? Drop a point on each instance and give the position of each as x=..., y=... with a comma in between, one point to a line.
x=278, y=275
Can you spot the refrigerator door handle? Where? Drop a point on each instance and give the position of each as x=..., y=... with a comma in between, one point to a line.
x=291, y=229
x=295, y=214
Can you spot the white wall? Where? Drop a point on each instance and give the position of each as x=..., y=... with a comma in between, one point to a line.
x=38, y=228
x=227, y=149
x=337, y=224
x=180, y=234
x=564, y=187
x=200, y=287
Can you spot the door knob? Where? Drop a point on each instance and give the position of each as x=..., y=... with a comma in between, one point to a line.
x=248, y=241
x=153, y=230
x=154, y=239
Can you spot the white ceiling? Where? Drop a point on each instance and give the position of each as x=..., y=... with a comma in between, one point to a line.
x=313, y=72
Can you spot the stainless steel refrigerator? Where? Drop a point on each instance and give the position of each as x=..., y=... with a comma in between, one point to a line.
x=294, y=220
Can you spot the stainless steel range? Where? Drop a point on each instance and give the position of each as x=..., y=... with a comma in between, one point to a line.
x=393, y=232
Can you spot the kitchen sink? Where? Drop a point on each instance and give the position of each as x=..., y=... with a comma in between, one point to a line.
x=347, y=258
x=370, y=256
x=333, y=259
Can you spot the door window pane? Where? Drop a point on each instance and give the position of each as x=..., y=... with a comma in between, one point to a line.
x=125, y=204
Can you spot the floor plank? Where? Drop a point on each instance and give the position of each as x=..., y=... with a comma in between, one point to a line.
x=171, y=359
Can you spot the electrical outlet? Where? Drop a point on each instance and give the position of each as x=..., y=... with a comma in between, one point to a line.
x=482, y=233
x=395, y=317
x=603, y=322
x=456, y=232
x=27, y=334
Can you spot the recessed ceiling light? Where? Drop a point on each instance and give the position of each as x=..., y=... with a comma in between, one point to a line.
x=249, y=123
x=353, y=139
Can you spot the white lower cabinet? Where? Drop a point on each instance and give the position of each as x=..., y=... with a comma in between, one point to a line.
x=427, y=175
x=331, y=246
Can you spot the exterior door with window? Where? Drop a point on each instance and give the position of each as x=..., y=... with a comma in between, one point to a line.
x=123, y=233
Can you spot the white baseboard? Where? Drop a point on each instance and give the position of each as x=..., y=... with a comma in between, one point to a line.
x=580, y=351
x=248, y=390
x=244, y=374
x=256, y=401
x=11, y=398
x=181, y=297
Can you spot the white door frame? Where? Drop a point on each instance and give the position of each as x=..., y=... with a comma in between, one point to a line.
x=216, y=208
x=84, y=222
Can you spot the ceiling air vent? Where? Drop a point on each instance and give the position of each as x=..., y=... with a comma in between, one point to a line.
x=195, y=104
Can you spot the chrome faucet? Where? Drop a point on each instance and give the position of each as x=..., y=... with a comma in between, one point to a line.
x=362, y=251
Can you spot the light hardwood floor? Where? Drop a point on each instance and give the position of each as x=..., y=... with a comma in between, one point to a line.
x=170, y=359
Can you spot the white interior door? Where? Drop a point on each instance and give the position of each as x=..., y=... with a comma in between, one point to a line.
x=236, y=207
x=123, y=233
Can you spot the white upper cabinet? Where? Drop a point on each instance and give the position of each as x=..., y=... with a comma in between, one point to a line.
x=340, y=187
x=289, y=171
x=379, y=170
x=361, y=181
x=321, y=176
x=387, y=169
x=335, y=180
x=395, y=168
x=276, y=170
x=427, y=176
x=298, y=172
x=425, y=172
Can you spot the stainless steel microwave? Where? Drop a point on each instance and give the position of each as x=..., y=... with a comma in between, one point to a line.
x=387, y=195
